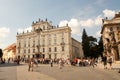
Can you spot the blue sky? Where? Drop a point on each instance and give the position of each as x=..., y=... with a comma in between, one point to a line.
x=17, y=15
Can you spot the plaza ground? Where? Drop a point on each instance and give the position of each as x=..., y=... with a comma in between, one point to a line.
x=45, y=72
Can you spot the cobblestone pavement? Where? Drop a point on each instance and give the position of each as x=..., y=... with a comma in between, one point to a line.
x=80, y=73
x=8, y=72
x=45, y=72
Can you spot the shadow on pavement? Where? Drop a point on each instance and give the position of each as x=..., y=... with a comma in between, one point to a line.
x=10, y=65
x=2, y=79
x=115, y=68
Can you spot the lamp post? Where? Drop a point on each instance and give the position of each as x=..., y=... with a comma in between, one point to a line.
x=38, y=31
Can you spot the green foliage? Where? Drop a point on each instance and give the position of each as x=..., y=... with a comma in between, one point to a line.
x=91, y=47
x=85, y=43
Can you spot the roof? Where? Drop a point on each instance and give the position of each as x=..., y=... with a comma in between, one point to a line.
x=113, y=21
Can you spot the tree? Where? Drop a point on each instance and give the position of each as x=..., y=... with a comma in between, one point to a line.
x=85, y=43
x=100, y=47
x=93, y=47
x=96, y=49
x=1, y=53
x=92, y=41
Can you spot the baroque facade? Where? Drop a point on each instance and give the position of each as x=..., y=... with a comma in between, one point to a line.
x=111, y=36
x=48, y=41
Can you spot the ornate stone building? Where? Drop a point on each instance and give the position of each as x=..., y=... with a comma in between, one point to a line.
x=48, y=41
x=111, y=36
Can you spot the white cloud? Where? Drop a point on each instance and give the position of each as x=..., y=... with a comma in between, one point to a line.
x=98, y=33
x=63, y=23
x=25, y=29
x=73, y=23
x=77, y=24
x=87, y=23
x=4, y=32
x=108, y=13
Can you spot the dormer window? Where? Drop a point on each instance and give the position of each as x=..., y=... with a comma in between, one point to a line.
x=111, y=29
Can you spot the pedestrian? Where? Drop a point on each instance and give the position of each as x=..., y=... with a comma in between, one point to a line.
x=8, y=60
x=30, y=64
x=36, y=62
x=93, y=62
x=51, y=62
x=60, y=63
x=104, y=59
x=110, y=62
x=119, y=71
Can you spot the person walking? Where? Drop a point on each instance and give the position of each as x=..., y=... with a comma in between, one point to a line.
x=60, y=63
x=51, y=62
x=93, y=62
x=30, y=64
x=104, y=59
x=110, y=61
x=119, y=71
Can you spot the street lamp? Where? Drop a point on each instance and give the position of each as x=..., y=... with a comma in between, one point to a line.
x=38, y=31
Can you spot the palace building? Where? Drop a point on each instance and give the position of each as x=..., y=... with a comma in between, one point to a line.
x=111, y=36
x=48, y=41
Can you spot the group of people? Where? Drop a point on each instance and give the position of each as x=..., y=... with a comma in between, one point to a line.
x=33, y=61
x=84, y=62
x=107, y=59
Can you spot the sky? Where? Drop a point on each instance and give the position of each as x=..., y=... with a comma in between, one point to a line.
x=18, y=15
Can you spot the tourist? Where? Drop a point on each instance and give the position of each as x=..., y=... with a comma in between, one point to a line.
x=51, y=62
x=119, y=71
x=110, y=62
x=30, y=64
x=60, y=63
x=104, y=59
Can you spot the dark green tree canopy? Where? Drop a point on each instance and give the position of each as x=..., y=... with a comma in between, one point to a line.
x=85, y=43
x=1, y=53
x=91, y=47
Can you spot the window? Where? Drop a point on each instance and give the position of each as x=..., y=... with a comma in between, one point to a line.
x=43, y=49
x=62, y=48
x=49, y=49
x=28, y=44
x=49, y=56
x=55, y=49
x=111, y=29
x=33, y=50
x=28, y=50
